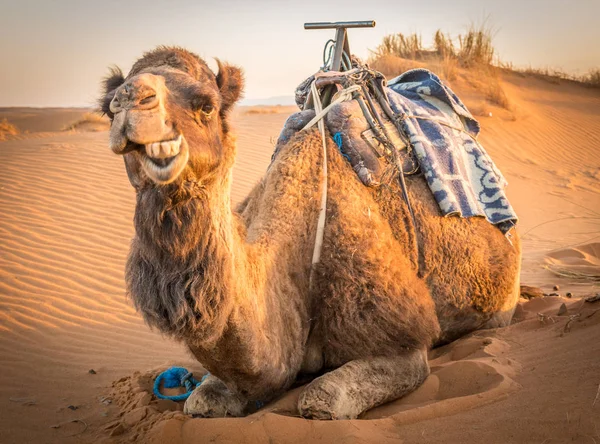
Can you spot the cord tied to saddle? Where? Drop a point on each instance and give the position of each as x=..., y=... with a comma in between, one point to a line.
x=342, y=96
x=356, y=91
x=177, y=377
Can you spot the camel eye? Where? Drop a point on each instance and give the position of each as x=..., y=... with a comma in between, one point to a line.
x=203, y=107
x=207, y=108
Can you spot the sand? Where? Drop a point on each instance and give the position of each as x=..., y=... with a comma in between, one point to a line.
x=66, y=224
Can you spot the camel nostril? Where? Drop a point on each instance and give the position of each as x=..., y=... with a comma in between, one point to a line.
x=115, y=105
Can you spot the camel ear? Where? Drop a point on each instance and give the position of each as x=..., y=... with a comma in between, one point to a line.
x=110, y=83
x=231, y=84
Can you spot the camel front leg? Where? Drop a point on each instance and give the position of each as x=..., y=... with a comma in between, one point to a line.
x=360, y=385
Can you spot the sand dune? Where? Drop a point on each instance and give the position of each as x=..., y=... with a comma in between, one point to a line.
x=66, y=223
x=581, y=262
x=36, y=120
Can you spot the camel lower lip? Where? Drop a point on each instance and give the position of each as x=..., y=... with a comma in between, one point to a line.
x=162, y=163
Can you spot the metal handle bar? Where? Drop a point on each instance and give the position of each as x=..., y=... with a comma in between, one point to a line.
x=337, y=25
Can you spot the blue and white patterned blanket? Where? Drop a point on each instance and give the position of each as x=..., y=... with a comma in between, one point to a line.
x=461, y=175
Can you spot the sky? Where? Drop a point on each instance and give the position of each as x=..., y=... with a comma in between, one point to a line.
x=54, y=52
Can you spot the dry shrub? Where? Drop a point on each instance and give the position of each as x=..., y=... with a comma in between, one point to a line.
x=443, y=46
x=486, y=79
x=89, y=122
x=476, y=47
x=7, y=129
x=474, y=52
x=449, y=68
x=592, y=78
x=496, y=95
x=391, y=66
x=471, y=50
x=399, y=45
x=446, y=68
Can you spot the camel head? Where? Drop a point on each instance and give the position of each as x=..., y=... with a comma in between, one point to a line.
x=169, y=116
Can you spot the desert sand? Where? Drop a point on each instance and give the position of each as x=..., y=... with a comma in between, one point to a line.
x=77, y=362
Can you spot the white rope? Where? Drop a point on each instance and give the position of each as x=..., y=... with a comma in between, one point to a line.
x=342, y=96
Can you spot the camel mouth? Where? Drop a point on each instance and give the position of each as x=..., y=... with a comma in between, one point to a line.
x=163, y=161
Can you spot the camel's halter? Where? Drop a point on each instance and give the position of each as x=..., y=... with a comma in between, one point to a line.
x=357, y=83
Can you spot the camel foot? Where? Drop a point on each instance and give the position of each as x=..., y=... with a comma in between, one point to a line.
x=360, y=385
x=213, y=400
x=323, y=399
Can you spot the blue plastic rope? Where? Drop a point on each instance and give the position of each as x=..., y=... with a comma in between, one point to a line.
x=177, y=377
x=180, y=377
x=337, y=138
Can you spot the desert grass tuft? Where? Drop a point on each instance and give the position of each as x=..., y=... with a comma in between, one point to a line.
x=89, y=122
x=471, y=54
x=592, y=78
x=495, y=93
x=391, y=65
x=443, y=45
x=400, y=45
x=476, y=47
x=7, y=129
x=473, y=51
x=449, y=68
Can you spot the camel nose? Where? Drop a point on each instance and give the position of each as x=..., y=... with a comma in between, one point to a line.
x=138, y=93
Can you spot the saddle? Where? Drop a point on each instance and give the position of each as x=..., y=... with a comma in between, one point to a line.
x=367, y=132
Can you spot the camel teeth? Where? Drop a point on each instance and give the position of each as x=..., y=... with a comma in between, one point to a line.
x=165, y=149
x=162, y=150
x=152, y=149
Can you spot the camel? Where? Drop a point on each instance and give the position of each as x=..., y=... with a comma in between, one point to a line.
x=233, y=285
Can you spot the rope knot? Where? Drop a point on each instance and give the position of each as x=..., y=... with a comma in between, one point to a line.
x=177, y=377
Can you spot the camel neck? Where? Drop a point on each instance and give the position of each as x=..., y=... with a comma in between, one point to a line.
x=180, y=270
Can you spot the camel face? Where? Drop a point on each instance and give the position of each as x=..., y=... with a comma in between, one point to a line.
x=168, y=116
x=141, y=123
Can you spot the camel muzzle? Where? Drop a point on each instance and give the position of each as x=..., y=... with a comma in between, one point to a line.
x=140, y=115
x=141, y=92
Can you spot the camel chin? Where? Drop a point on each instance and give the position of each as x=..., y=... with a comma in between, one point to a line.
x=163, y=161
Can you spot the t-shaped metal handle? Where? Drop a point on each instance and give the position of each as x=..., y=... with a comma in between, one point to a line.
x=337, y=25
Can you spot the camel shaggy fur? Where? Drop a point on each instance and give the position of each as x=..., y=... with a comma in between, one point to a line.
x=233, y=284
